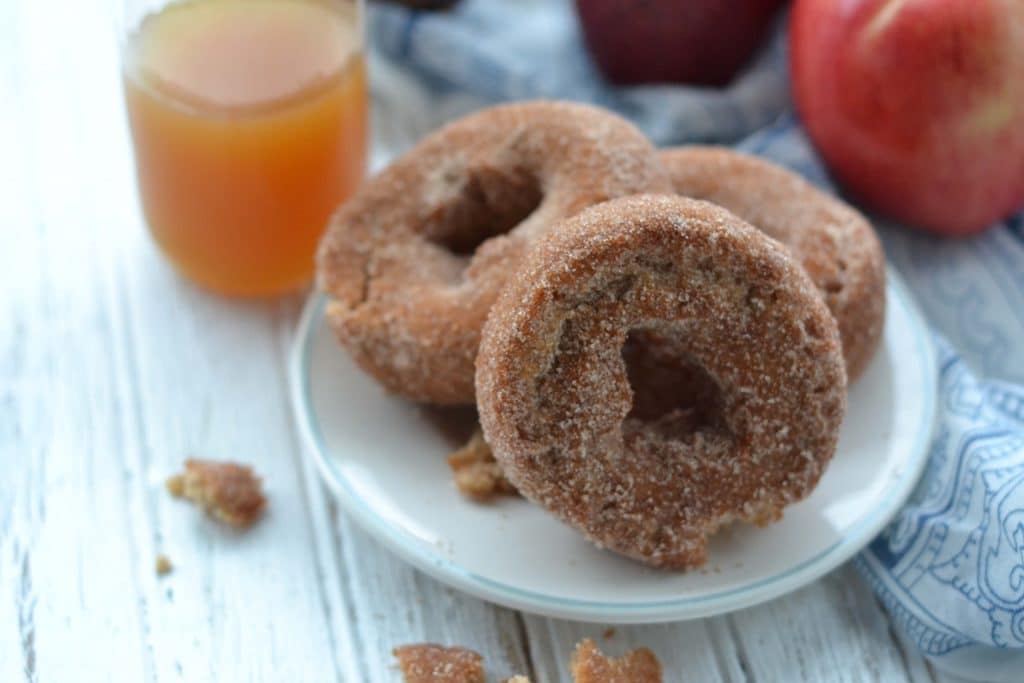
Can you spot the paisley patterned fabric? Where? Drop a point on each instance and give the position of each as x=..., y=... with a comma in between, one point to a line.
x=950, y=567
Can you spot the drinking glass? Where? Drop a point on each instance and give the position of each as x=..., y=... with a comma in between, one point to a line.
x=249, y=125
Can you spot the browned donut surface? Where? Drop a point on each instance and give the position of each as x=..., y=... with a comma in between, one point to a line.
x=835, y=244
x=415, y=259
x=742, y=329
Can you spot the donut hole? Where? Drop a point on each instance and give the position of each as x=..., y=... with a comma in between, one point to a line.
x=473, y=205
x=673, y=395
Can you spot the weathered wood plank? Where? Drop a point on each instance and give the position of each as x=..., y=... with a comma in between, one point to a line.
x=832, y=630
x=393, y=604
x=137, y=370
x=68, y=568
x=691, y=651
x=21, y=439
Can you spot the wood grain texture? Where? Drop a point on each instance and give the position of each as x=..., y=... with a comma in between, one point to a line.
x=113, y=370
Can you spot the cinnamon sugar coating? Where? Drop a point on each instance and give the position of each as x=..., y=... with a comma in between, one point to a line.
x=415, y=259
x=231, y=492
x=590, y=665
x=833, y=242
x=430, y=663
x=763, y=380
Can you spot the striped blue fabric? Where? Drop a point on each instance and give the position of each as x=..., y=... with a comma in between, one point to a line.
x=950, y=567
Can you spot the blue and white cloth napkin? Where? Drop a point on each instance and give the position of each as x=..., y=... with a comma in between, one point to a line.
x=950, y=567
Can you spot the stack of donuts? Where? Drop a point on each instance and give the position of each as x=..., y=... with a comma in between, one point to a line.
x=657, y=343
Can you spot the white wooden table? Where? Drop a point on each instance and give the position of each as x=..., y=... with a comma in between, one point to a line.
x=113, y=370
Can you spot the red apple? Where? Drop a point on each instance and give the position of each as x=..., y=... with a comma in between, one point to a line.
x=686, y=41
x=917, y=106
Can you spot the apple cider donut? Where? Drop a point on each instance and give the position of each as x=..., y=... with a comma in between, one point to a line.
x=415, y=259
x=832, y=241
x=759, y=349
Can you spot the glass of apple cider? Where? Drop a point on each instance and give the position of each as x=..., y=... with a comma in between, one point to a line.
x=249, y=124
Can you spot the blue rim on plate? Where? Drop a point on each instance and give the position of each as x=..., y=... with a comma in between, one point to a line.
x=440, y=567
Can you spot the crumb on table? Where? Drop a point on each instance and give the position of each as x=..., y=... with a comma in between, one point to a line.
x=163, y=565
x=229, y=491
x=431, y=663
x=176, y=485
x=608, y=633
x=477, y=474
x=590, y=665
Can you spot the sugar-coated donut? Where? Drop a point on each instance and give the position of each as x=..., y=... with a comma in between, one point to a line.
x=834, y=243
x=650, y=477
x=415, y=259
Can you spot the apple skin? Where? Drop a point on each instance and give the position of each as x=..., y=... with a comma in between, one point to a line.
x=702, y=42
x=917, y=106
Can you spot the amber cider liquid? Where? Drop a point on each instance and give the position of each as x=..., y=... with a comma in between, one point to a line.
x=248, y=119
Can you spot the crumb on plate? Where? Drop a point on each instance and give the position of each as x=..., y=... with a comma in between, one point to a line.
x=229, y=491
x=477, y=474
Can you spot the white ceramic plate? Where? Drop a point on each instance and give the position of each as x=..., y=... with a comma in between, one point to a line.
x=385, y=460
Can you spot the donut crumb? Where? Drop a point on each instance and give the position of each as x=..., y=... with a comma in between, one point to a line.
x=228, y=491
x=476, y=473
x=432, y=663
x=590, y=665
x=163, y=565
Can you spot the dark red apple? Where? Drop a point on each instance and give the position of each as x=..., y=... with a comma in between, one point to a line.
x=917, y=106
x=701, y=42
